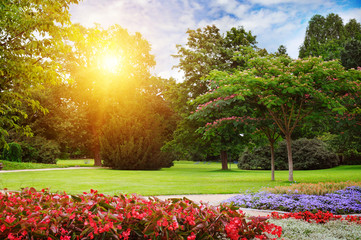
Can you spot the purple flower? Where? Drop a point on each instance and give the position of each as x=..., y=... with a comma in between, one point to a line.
x=344, y=201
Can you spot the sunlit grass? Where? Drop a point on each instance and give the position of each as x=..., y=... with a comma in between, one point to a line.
x=183, y=178
x=75, y=163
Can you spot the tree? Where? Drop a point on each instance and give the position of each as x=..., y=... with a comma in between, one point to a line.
x=326, y=37
x=98, y=83
x=207, y=49
x=351, y=54
x=289, y=91
x=282, y=50
x=31, y=44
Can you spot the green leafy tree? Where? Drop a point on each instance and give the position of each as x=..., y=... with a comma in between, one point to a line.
x=351, y=54
x=282, y=50
x=107, y=66
x=290, y=91
x=207, y=49
x=31, y=46
x=327, y=36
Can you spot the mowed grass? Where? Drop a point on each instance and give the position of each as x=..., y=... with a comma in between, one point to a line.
x=183, y=178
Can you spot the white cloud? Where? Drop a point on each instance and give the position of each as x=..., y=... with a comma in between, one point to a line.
x=164, y=22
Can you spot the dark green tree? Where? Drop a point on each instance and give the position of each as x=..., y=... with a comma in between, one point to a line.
x=351, y=54
x=327, y=36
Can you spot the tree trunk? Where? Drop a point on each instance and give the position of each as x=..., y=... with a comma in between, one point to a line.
x=272, y=160
x=96, y=152
x=224, y=160
x=96, y=148
x=289, y=156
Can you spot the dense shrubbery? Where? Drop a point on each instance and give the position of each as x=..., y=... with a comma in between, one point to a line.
x=133, y=138
x=40, y=150
x=13, y=153
x=42, y=215
x=307, y=154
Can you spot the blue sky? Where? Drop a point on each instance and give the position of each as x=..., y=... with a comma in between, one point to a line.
x=164, y=22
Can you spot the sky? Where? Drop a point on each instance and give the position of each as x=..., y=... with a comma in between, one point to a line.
x=163, y=23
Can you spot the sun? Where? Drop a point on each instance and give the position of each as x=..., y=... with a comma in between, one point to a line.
x=110, y=62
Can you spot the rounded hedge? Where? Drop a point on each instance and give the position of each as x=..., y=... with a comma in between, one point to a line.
x=307, y=154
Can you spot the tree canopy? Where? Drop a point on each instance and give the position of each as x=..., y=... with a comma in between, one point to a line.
x=287, y=91
x=31, y=44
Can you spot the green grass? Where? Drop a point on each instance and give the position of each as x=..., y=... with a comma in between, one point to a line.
x=59, y=164
x=26, y=165
x=75, y=163
x=183, y=178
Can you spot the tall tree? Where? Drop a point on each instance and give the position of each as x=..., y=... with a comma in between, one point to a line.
x=31, y=43
x=289, y=92
x=107, y=65
x=326, y=36
x=207, y=49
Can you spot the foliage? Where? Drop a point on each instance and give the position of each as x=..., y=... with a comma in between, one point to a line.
x=326, y=37
x=330, y=38
x=287, y=92
x=135, y=134
x=346, y=201
x=31, y=46
x=307, y=154
x=30, y=214
x=206, y=49
x=301, y=230
x=320, y=188
x=351, y=54
x=319, y=217
x=13, y=152
x=40, y=150
x=96, y=89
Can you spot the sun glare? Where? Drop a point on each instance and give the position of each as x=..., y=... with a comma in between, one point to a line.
x=110, y=62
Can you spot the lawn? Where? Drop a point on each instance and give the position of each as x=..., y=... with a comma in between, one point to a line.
x=59, y=164
x=183, y=178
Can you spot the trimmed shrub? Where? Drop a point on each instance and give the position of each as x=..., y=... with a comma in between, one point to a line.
x=352, y=157
x=307, y=154
x=133, y=144
x=13, y=153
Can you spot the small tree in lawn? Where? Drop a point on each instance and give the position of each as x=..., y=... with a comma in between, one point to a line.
x=286, y=91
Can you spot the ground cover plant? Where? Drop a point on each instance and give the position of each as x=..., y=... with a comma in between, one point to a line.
x=345, y=201
x=183, y=178
x=320, y=188
x=30, y=214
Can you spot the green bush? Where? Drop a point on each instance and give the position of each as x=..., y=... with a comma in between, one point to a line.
x=135, y=132
x=40, y=150
x=133, y=144
x=307, y=154
x=13, y=153
x=351, y=157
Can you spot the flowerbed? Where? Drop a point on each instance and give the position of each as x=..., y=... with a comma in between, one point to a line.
x=320, y=188
x=42, y=215
x=346, y=201
x=319, y=217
